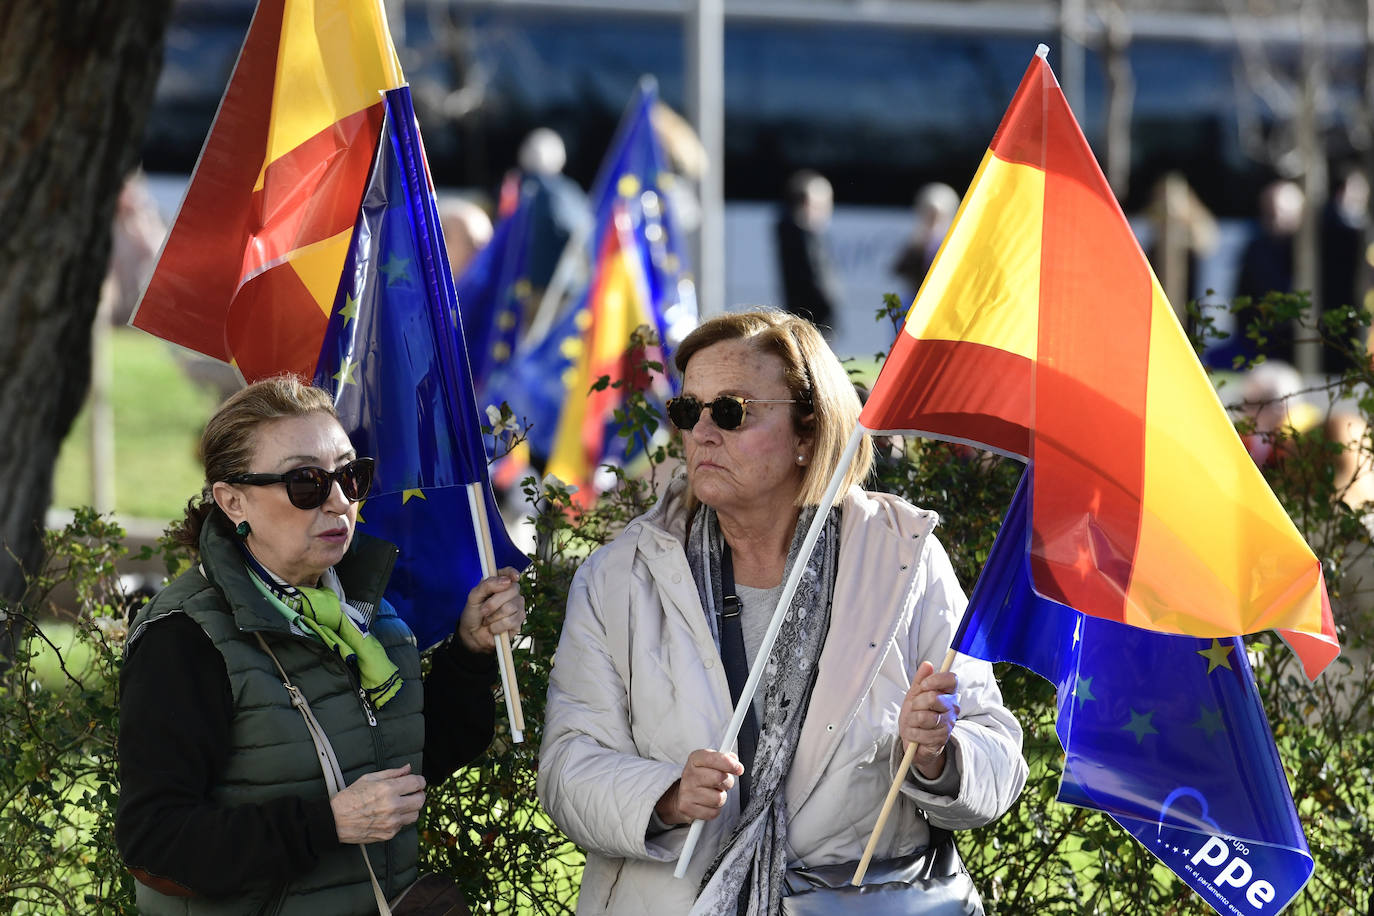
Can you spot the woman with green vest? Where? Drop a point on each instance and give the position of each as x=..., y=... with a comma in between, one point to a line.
x=223, y=806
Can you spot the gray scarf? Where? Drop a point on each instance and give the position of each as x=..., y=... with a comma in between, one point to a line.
x=747, y=874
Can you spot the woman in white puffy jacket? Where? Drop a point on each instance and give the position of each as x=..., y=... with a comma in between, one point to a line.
x=639, y=692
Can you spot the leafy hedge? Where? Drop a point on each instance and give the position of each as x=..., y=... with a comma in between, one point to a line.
x=57, y=728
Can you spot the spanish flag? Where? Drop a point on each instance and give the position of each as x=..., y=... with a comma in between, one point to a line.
x=616, y=305
x=250, y=268
x=1041, y=332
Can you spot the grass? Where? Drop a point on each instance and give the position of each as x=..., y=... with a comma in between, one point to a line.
x=158, y=414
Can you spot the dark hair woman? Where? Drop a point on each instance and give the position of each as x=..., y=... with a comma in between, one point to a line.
x=224, y=807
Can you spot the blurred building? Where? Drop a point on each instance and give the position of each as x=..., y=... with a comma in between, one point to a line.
x=881, y=98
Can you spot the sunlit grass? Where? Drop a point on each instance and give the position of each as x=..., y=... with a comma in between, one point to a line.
x=158, y=415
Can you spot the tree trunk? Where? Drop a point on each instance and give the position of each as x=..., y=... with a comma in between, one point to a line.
x=77, y=77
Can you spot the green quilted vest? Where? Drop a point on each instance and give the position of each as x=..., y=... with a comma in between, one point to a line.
x=272, y=751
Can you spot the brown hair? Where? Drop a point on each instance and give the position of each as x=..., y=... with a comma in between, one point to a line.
x=812, y=373
x=227, y=444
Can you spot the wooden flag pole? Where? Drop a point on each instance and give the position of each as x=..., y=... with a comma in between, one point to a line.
x=505, y=659
x=892, y=791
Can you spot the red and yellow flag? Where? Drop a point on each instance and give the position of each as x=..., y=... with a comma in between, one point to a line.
x=617, y=304
x=1042, y=332
x=249, y=270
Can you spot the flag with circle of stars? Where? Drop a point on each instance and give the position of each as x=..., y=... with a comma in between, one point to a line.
x=1164, y=733
x=636, y=184
x=495, y=295
x=393, y=355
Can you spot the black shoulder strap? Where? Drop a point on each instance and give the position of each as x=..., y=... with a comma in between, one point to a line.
x=736, y=662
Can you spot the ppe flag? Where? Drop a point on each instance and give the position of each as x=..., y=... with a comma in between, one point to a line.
x=394, y=357
x=249, y=270
x=1042, y=333
x=1165, y=733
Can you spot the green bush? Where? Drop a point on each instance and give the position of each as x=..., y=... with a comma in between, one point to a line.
x=485, y=827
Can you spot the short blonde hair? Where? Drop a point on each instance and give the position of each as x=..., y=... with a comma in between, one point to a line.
x=812, y=373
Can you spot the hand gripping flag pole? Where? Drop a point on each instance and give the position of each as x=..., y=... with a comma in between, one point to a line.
x=751, y=686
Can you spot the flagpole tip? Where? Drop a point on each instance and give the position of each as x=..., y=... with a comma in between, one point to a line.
x=1042, y=51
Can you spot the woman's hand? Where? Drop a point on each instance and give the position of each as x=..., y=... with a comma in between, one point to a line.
x=927, y=717
x=378, y=805
x=701, y=792
x=494, y=606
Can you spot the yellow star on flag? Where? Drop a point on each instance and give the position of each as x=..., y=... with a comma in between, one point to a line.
x=345, y=374
x=407, y=494
x=1217, y=656
x=350, y=309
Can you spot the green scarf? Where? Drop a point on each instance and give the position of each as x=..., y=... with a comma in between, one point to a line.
x=319, y=611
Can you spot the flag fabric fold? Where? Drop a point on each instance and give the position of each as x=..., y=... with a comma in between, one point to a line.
x=249, y=269
x=395, y=359
x=1164, y=733
x=1041, y=332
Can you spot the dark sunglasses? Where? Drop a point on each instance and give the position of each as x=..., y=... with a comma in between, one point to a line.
x=727, y=411
x=308, y=488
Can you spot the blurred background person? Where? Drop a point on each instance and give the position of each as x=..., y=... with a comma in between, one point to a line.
x=1343, y=225
x=467, y=230
x=1353, y=464
x=809, y=288
x=1272, y=403
x=934, y=207
x=138, y=234
x=1266, y=265
x=559, y=207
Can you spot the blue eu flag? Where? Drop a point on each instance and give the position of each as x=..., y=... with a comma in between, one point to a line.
x=494, y=294
x=394, y=357
x=634, y=180
x=1165, y=733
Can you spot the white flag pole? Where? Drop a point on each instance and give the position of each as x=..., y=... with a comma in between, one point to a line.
x=751, y=686
x=506, y=661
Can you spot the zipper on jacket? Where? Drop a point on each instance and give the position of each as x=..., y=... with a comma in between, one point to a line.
x=367, y=707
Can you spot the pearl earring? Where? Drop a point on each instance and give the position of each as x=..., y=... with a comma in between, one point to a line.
x=801, y=459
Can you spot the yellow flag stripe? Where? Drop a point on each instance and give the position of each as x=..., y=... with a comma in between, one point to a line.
x=984, y=286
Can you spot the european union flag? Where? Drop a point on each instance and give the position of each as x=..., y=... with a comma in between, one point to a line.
x=634, y=181
x=494, y=294
x=634, y=177
x=394, y=357
x=1164, y=733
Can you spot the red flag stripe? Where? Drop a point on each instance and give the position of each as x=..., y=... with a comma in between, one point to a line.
x=1090, y=267
x=215, y=214
x=945, y=376
x=275, y=326
x=313, y=192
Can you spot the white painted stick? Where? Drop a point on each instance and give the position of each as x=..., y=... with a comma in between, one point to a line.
x=504, y=657
x=751, y=686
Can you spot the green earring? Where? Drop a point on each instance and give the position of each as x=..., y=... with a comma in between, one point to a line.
x=242, y=529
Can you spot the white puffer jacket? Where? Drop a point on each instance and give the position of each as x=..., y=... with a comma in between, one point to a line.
x=637, y=685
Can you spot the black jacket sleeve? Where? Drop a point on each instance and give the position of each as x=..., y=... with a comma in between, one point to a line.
x=460, y=708
x=174, y=720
